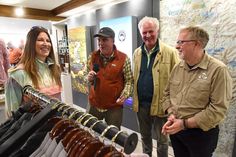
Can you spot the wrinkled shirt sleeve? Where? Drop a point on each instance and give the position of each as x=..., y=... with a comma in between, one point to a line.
x=129, y=81
x=13, y=95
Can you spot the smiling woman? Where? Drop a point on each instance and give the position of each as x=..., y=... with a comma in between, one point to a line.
x=43, y=46
x=37, y=68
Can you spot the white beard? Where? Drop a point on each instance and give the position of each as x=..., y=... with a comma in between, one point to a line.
x=181, y=55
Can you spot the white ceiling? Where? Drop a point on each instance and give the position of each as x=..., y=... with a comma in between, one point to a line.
x=51, y=4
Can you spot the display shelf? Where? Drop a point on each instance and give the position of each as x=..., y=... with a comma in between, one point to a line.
x=63, y=55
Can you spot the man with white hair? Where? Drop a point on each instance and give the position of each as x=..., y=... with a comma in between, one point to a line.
x=153, y=62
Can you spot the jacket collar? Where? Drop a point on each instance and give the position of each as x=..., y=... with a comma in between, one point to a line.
x=114, y=54
x=48, y=62
x=155, y=49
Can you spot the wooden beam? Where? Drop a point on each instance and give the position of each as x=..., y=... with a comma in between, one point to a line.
x=37, y=14
x=70, y=5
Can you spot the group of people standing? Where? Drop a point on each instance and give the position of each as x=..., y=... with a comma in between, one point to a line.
x=182, y=92
x=15, y=53
x=9, y=56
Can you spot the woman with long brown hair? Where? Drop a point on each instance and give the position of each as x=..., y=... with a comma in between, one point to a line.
x=37, y=68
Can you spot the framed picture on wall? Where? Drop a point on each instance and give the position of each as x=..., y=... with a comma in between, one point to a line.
x=78, y=58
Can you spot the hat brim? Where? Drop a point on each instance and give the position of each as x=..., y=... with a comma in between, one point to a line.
x=102, y=35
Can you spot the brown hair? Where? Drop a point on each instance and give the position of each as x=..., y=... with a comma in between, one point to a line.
x=29, y=56
x=198, y=33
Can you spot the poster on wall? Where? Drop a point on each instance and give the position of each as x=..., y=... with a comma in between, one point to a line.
x=125, y=29
x=214, y=16
x=78, y=58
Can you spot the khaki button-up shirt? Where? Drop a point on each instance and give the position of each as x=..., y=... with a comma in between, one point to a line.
x=203, y=92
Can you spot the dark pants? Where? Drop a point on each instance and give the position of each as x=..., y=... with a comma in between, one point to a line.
x=146, y=122
x=111, y=116
x=195, y=142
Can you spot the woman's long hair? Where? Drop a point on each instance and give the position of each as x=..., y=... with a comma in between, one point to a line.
x=29, y=57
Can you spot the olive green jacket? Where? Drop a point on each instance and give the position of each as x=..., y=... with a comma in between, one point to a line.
x=164, y=62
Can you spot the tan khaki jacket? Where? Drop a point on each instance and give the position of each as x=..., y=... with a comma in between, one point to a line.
x=165, y=60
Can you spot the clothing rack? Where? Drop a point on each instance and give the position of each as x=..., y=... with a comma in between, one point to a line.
x=14, y=140
x=128, y=142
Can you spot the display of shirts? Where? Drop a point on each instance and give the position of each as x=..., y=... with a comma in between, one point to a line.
x=51, y=142
x=43, y=147
x=15, y=116
x=36, y=139
x=58, y=150
x=16, y=126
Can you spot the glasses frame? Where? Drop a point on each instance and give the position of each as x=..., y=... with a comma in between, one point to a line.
x=181, y=42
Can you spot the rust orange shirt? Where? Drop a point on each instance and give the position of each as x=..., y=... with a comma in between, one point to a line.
x=14, y=56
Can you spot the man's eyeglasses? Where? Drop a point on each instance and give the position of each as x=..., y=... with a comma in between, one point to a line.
x=181, y=42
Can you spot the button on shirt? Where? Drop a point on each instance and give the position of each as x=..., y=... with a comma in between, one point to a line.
x=203, y=92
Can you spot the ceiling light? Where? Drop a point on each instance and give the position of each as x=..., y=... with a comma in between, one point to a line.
x=19, y=12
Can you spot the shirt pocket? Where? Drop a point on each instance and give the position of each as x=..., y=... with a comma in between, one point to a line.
x=199, y=93
x=174, y=87
x=164, y=70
